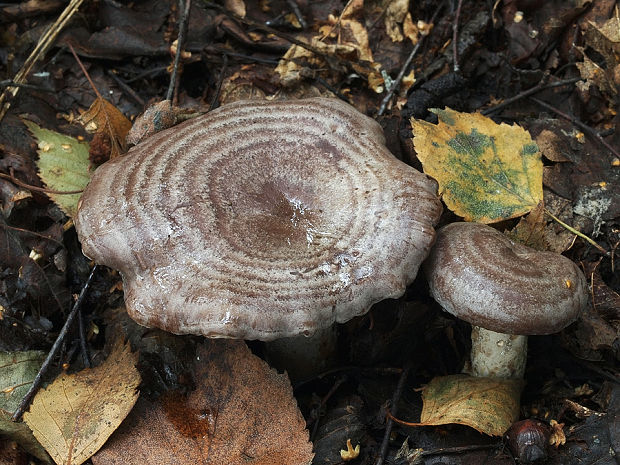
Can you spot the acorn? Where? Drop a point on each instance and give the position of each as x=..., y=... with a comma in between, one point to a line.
x=528, y=440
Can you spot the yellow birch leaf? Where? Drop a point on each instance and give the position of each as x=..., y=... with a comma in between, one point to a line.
x=489, y=405
x=487, y=172
x=75, y=415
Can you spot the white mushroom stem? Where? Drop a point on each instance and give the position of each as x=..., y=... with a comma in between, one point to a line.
x=304, y=356
x=497, y=355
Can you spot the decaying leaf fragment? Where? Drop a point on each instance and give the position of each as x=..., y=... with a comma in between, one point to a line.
x=489, y=405
x=104, y=118
x=346, y=39
x=604, y=38
x=531, y=230
x=63, y=165
x=242, y=412
x=395, y=14
x=487, y=172
x=74, y=416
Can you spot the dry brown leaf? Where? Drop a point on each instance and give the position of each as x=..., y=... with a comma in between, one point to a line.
x=242, y=412
x=236, y=6
x=394, y=16
x=411, y=30
x=351, y=45
x=531, y=229
x=558, y=438
x=489, y=405
x=104, y=117
x=74, y=416
x=553, y=145
x=603, y=37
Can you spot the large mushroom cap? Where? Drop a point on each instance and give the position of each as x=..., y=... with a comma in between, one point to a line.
x=260, y=220
x=480, y=275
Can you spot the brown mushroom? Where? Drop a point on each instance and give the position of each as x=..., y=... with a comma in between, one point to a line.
x=259, y=220
x=506, y=290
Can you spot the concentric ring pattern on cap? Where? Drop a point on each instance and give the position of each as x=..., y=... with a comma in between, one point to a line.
x=483, y=277
x=259, y=220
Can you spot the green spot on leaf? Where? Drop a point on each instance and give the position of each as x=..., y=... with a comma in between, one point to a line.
x=486, y=172
x=63, y=165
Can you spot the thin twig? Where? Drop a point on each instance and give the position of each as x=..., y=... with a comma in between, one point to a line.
x=389, y=423
x=455, y=37
x=526, y=93
x=297, y=12
x=83, y=347
x=396, y=83
x=457, y=449
x=126, y=88
x=289, y=38
x=9, y=83
x=26, y=231
x=220, y=81
x=577, y=123
x=11, y=177
x=43, y=45
x=81, y=65
x=317, y=410
x=577, y=233
x=184, y=7
x=332, y=89
x=36, y=384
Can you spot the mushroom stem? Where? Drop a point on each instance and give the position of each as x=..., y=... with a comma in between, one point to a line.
x=497, y=355
x=304, y=356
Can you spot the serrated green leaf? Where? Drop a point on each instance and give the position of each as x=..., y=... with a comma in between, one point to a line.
x=63, y=165
x=487, y=172
x=17, y=371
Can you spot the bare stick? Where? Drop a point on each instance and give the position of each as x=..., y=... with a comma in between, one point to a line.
x=36, y=384
x=577, y=233
x=43, y=45
x=220, y=81
x=11, y=177
x=288, y=37
x=297, y=12
x=526, y=93
x=577, y=123
x=455, y=37
x=83, y=347
x=389, y=423
x=184, y=7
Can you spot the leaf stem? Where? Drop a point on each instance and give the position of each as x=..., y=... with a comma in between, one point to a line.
x=578, y=233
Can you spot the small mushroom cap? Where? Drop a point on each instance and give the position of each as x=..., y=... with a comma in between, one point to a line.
x=480, y=275
x=260, y=220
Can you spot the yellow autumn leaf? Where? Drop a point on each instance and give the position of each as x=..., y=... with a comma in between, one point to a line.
x=489, y=405
x=487, y=172
x=75, y=415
